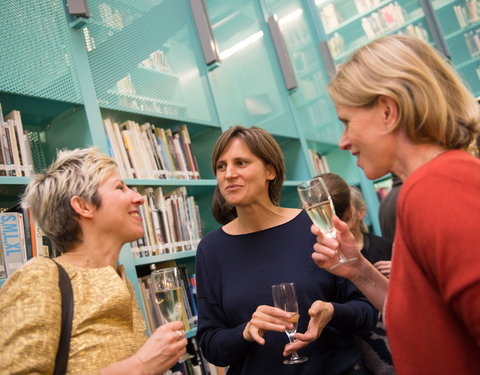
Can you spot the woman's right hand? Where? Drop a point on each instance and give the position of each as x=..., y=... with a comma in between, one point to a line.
x=160, y=352
x=326, y=249
x=163, y=348
x=266, y=318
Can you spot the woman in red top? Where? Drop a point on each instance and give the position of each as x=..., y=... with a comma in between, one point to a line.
x=406, y=111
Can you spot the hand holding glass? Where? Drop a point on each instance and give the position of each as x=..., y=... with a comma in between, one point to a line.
x=285, y=298
x=318, y=204
x=168, y=293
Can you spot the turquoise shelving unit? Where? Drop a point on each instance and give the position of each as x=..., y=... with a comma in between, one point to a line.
x=142, y=61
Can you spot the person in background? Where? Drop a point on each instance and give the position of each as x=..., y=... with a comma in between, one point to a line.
x=266, y=244
x=350, y=207
x=406, y=111
x=387, y=213
x=84, y=207
x=378, y=251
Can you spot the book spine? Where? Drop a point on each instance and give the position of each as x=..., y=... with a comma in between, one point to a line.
x=14, y=148
x=11, y=241
x=3, y=268
x=27, y=234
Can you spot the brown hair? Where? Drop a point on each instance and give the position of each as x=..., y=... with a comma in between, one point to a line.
x=339, y=192
x=261, y=144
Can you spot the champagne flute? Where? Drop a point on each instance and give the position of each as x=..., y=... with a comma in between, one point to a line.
x=318, y=204
x=169, y=297
x=284, y=298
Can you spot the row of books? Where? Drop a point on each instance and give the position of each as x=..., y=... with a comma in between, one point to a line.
x=472, y=40
x=467, y=14
x=389, y=17
x=331, y=18
x=364, y=6
x=21, y=240
x=417, y=30
x=171, y=222
x=15, y=150
x=319, y=162
x=146, y=151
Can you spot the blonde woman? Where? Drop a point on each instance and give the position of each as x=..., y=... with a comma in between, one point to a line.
x=406, y=111
x=88, y=212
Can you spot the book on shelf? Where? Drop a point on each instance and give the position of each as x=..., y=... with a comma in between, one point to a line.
x=148, y=152
x=13, y=241
x=330, y=17
x=171, y=222
x=137, y=150
x=319, y=162
x=186, y=142
x=27, y=225
x=115, y=151
x=3, y=269
x=20, y=144
x=15, y=154
x=364, y=6
x=155, y=150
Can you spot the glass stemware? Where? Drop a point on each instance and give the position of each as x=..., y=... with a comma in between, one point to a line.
x=285, y=298
x=318, y=204
x=169, y=297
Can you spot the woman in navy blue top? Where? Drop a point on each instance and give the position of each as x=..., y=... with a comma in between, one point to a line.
x=262, y=244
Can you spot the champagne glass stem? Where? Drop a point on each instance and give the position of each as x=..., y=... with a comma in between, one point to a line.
x=294, y=356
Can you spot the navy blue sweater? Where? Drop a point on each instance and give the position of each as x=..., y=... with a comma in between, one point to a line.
x=234, y=277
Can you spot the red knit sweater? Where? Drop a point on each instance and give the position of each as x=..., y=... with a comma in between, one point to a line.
x=433, y=306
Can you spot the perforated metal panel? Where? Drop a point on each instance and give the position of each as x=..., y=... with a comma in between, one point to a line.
x=36, y=52
x=145, y=58
x=39, y=163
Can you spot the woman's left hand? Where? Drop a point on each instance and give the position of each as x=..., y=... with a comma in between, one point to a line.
x=384, y=266
x=320, y=314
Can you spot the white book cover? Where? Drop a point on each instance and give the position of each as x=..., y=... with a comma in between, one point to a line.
x=11, y=236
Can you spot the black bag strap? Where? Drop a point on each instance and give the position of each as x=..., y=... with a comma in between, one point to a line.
x=67, y=316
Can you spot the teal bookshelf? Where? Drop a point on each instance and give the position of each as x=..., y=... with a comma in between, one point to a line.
x=142, y=61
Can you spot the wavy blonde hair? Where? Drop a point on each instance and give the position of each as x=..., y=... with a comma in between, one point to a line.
x=434, y=104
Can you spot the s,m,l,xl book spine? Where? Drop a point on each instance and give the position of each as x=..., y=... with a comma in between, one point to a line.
x=10, y=233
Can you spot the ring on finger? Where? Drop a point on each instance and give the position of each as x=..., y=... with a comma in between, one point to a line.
x=180, y=334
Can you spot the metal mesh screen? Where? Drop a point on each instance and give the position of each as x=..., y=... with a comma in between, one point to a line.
x=39, y=163
x=144, y=58
x=36, y=52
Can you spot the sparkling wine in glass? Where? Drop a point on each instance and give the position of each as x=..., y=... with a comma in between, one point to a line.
x=318, y=204
x=169, y=297
x=285, y=298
